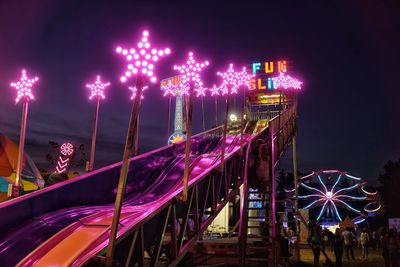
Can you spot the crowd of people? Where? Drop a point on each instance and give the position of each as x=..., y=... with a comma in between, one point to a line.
x=343, y=241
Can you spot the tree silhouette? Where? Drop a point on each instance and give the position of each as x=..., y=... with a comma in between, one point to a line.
x=389, y=190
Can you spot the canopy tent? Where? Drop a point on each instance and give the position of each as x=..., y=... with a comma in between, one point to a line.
x=31, y=177
x=347, y=223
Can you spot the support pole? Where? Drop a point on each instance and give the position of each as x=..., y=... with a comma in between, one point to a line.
x=94, y=134
x=296, y=190
x=189, y=110
x=216, y=111
x=202, y=113
x=169, y=117
x=15, y=190
x=129, y=142
x=243, y=220
x=273, y=202
x=242, y=121
x=296, y=194
x=225, y=131
x=136, y=145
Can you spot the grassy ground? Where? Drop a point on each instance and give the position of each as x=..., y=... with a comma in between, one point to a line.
x=374, y=259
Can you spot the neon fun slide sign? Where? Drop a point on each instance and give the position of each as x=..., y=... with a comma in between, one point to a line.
x=271, y=75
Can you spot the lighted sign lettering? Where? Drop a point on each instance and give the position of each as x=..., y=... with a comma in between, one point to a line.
x=271, y=75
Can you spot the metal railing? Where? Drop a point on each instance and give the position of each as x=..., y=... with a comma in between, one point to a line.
x=172, y=226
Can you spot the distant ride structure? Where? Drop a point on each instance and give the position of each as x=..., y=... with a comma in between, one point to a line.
x=331, y=195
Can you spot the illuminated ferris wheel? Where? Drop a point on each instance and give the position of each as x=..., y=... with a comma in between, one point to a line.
x=332, y=194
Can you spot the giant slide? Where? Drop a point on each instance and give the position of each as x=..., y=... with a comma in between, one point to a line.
x=68, y=223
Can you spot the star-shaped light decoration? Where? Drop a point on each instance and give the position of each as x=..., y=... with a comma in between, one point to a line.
x=24, y=87
x=175, y=89
x=200, y=91
x=214, y=90
x=244, y=78
x=141, y=60
x=191, y=71
x=134, y=90
x=230, y=81
x=97, y=88
x=286, y=82
x=168, y=89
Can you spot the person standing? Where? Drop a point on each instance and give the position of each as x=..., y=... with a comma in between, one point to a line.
x=393, y=248
x=315, y=242
x=384, y=238
x=364, y=240
x=337, y=245
x=348, y=238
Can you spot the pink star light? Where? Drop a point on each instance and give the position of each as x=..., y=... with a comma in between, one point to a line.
x=168, y=89
x=24, y=87
x=230, y=81
x=142, y=59
x=191, y=71
x=175, y=89
x=97, y=88
x=244, y=78
x=201, y=91
x=134, y=90
x=214, y=90
x=286, y=82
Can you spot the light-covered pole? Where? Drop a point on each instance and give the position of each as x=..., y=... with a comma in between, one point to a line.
x=215, y=92
x=201, y=92
x=190, y=80
x=229, y=86
x=141, y=61
x=136, y=143
x=244, y=81
x=287, y=82
x=24, y=88
x=96, y=93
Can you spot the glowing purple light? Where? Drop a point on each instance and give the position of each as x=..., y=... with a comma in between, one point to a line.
x=168, y=89
x=141, y=60
x=214, y=90
x=24, y=87
x=286, y=82
x=191, y=71
x=200, y=91
x=134, y=90
x=175, y=89
x=230, y=81
x=244, y=78
x=97, y=88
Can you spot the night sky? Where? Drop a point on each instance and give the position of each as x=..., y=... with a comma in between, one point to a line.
x=346, y=52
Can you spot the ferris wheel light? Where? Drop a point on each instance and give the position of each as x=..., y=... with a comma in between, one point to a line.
x=329, y=190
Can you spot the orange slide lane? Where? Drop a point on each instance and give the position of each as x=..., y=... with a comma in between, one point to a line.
x=78, y=242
